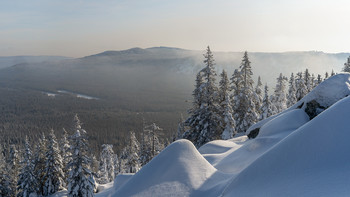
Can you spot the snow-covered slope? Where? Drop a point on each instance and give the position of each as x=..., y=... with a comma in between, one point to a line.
x=179, y=170
x=291, y=156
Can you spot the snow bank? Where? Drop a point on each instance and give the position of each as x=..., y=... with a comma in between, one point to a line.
x=288, y=121
x=312, y=161
x=121, y=179
x=179, y=170
x=326, y=94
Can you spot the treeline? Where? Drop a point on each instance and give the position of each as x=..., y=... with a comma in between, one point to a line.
x=220, y=112
x=54, y=165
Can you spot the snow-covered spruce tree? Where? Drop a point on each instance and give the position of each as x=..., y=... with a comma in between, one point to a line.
x=307, y=80
x=151, y=145
x=81, y=182
x=346, y=67
x=280, y=98
x=27, y=183
x=193, y=121
x=53, y=172
x=326, y=75
x=258, y=96
x=266, y=106
x=116, y=165
x=227, y=123
x=318, y=80
x=247, y=114
x=123, y=159
x=106, y=169
x=5, y=182
x=209, y=116
x=313, y=84
x=301, y=89
x=13, y=169
x=180, y=129
x=236, y=87
x=132, y=164
x=65, y=153
x=332, y=73
x=39, y=162
x=291, y=98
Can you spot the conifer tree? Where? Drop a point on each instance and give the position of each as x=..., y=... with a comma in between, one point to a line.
x=209, y=116
x=258, y=96
x=346, y=67
x=291, y=98
x=180, y=129
x=318, y=80
x=13, y=168
x=81, y=182
x=151, y=145
x=326, y=76
x=266, y=107
x=39, y=162
x=53, y=171
x=65, y=154
x=301, y=89
x=5, y=182
x=227, y=122
x=246, y=108
x=280, y=98
x=27, y=182
x=116, y=165
x=106, y=170
x=193, y=122
x=132, y=161
x=236, y=87
x=332, y=73
x=307, y=80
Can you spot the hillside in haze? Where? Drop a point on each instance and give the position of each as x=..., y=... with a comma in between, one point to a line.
x=115, y=90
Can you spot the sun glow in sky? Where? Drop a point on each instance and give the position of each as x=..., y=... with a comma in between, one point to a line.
x=79, y=28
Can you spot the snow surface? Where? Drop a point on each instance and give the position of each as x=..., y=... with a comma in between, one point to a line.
x=291, y=156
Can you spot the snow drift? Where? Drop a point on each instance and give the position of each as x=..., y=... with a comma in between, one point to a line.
x=179, y=170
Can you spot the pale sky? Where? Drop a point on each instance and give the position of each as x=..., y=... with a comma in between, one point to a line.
x=79, y=28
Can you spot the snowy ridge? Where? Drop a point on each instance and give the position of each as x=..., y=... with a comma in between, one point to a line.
x=291, y=156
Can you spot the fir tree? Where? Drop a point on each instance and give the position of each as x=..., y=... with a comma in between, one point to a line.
x=300, y=86
x=106, y=170
x=193, y=122
x=225, y=109
x=236, y=87
x=151, y=145
x=5, y=181
x=132, y=164
x=180, y=129
x=346, y=67
x=209, y=117
x=229, y=122
x=266, y=107
x=53, y=172
x=13, y=168
x=318, y=80
x=258, y=96
x=65, y=153
x=307, y=80
x=291, y=98
x=326, y=76
x=246, y=106
x=280, y=98
x=81, y=182
x=39, y=162
x=332, y=73
x=116, y=165
x=27, y=182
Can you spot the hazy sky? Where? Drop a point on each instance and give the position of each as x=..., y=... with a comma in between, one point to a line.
x=78, y=28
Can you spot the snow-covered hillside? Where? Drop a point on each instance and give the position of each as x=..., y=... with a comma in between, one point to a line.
x=295, y=153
